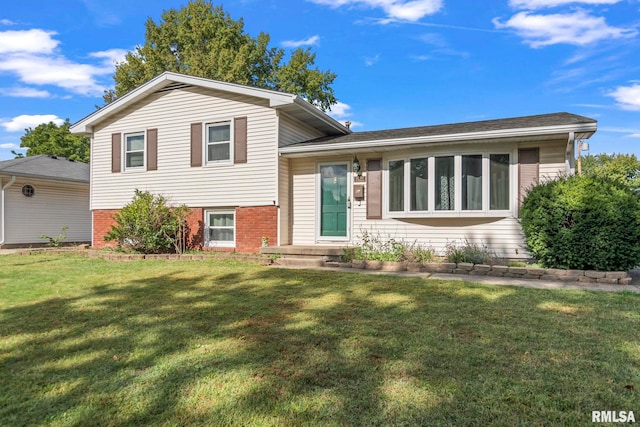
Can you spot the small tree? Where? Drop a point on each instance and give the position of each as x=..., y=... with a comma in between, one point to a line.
x=149, y=225
x=583, y=222
x=49, y=138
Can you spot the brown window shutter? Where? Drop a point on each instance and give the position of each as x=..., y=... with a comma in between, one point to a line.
x=196, y=144
x=374, y=189
x=240, y=140
x=152, y=149
x=116, y=150
x=528, y=170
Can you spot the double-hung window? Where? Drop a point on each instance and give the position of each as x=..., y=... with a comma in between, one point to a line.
x=461, y=184
x=221, y=229
x=134, y=147
x=218, y=147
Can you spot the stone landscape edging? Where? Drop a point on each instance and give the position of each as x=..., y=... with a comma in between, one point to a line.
x=536, y=273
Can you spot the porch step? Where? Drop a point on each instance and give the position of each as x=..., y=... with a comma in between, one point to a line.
x=325, y=253
x=309, y=262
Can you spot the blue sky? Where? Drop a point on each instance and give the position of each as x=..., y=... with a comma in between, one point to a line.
x=399, y=63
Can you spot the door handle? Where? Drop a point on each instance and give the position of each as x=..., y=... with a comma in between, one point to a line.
x=348, y=202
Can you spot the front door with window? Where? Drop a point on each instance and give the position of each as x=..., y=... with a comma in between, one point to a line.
x=334, y=200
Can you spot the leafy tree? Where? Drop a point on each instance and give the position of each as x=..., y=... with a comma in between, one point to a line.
x=624, y=168
x=148, y=225
x=49, y=138
x=202, y=40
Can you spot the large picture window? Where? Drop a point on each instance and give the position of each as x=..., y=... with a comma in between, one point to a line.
x=218, y=142
x=134, y=151
x=475, y=184
x=220, y=229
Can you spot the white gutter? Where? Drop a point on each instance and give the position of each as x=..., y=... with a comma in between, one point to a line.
x=4, y=187
x=455, y=137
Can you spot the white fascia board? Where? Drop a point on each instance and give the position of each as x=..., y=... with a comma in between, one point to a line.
x=85, y=124
x=587, y=128
x=314, y=111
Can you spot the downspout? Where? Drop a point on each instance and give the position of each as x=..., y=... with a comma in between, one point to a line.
x=570, y=159
x=4, y=187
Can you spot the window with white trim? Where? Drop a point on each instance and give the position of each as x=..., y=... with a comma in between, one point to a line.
x=134, y=146
x=218, y=147
x=220, y=229
x=476, y=183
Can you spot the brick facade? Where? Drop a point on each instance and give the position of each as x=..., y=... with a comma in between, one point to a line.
x=252, y=223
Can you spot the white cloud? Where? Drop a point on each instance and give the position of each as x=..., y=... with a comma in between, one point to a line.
x=540, y=4
x=396, y=10
x=340, y=110
x=24, y=92
x=369, y=61
x=11, y=146
x=628, y=97
x=110, y=57
x=578, y=28
x=27, y=41
x=7, y=22
x=20, y=123
x=55, y=70
x=311, y=41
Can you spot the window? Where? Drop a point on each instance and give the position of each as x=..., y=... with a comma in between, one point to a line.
x=396, y=185
x=476, y=184
x=28, y=190
x=472, y=183
x=218, y=142
x=419, y=184
x=445, y=184
x=220, y=228
x=499, y=181
x=134, y=151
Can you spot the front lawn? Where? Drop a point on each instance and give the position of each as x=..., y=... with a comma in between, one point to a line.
x=175, y=343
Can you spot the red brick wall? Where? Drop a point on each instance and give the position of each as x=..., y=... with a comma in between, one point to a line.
x=102, y=222
x=252, y=223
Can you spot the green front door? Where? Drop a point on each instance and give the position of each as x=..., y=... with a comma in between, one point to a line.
x=333, y=200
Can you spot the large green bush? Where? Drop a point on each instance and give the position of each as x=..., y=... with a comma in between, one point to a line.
x=149, y=225
x=583, y=222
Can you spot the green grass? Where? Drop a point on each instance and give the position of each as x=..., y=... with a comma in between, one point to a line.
x=104, y=343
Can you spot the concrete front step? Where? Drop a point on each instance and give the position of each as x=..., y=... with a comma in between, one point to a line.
x=300, y=262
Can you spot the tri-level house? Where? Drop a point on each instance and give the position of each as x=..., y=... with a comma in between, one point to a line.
x=254, y=163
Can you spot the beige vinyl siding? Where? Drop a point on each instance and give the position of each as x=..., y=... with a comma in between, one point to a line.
x=292, y=131
x=303, y=190
x=552, y=159
x=55, y=204
x=501, y=235
x=284, y=202
x=172, y=112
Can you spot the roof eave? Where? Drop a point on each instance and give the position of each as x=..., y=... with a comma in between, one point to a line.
x=84, y=126
x=321, y=115
x=584, y=129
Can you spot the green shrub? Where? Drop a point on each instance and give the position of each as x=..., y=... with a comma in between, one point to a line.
x=583, y=222
x=56, y=241
x=149, y=225
x=469, y=252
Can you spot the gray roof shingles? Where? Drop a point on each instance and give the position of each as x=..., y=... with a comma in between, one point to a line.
x=46, y=167
x=542, y=120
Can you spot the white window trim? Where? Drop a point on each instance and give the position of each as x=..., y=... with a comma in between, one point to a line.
x=205, y=142
x=219, y=243
x=124, y=152
x=457, y=212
